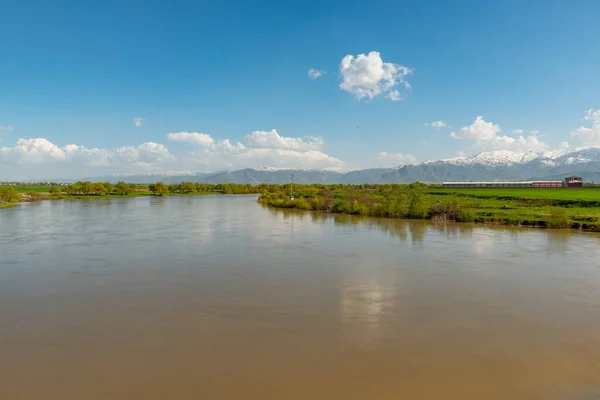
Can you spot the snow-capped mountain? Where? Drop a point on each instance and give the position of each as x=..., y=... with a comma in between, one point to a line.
x=494, y=165
x=491, y=158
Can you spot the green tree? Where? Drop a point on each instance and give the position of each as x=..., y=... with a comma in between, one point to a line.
x=152, y=188
x=99, y=188
x=87, y=187
x=109, y=186
x=122, y=188
x=55, y=190
x=9, y=194
x=187, y=187
x=161, y=189
x=227, y=189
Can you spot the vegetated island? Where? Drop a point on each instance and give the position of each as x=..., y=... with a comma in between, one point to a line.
x=557, y=208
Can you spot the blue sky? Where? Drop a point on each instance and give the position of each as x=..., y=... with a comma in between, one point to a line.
x=79, y=73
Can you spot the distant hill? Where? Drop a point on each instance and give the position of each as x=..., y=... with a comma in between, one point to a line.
x=488, y=166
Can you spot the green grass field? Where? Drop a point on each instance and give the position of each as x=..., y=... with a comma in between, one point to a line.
x=569, y=194
x=32, y=188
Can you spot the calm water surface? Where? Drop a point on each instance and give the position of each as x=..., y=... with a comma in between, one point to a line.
x=218, y=298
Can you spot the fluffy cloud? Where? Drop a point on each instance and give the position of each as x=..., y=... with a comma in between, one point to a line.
x=139, y=122
x=146, y=154
x=33, y=151
x=263, y=148
x=367, y=76
x=487, y=138
x=7, y=128
x=393, y=159
x=521, y=144
x=79, y=159
x=593, y=115
x=271, y=139
x=478, y=130
x=200, y=139
x=591, y=135
x=39, y=158
x=315, y=73
x=518, y=132
x=437, y=124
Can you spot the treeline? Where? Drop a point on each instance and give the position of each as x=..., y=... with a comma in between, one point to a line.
x=160, y=188
x=88, y=188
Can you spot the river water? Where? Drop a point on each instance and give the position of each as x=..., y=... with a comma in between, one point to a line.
x=215, y=297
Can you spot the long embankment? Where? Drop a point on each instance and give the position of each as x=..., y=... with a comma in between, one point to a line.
x=558, y=208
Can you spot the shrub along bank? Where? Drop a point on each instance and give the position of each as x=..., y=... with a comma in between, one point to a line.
x=530, y=207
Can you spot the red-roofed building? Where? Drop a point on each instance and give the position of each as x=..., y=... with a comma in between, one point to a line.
x=573, y=181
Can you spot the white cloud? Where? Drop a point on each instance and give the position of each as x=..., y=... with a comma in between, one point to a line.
x=29, y=155
x=521, y=144
x=518, y=132
x=200, y=139
x=271, y=139
x=592, y=115
x=367, y=76
x=437, y=124
x=315, y=73
x=591, y=135
x=139, y=122
x=394, y=95
x=33, y=151
x=7, y=128
x=535, y=133
x=283, y=158
x=393, y=159
x=146, y=154
x=82, y=156
x=264, y=148
x=485, y=135
x=478, y=130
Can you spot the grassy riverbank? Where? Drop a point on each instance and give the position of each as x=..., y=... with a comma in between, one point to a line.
x=552, y=208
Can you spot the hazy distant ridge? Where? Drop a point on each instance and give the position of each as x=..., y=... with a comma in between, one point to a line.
x=498, y=165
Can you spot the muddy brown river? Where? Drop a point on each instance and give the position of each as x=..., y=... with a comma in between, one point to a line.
x=215, y=297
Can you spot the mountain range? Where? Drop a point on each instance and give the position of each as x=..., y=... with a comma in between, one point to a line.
x=499, y=165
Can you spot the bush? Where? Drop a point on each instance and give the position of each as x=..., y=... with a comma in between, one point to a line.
x=33, y=196
x=315, y=204
x=341, y=206
x=397, y=207
x=377, y=210
x=417, y=208
x=558, y=219
x=466, y=215
x=446, y=211
x=302, y=204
